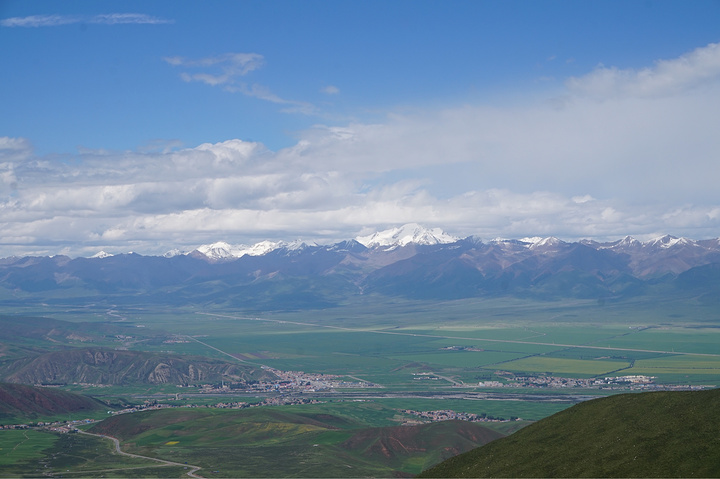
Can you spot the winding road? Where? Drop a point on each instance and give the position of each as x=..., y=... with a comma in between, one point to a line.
x=190, y=473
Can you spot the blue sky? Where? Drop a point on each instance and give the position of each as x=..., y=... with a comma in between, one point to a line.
x=147, y=126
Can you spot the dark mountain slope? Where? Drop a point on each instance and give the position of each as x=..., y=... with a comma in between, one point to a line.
x=656, y=434
x=21, y=401
x=106, y=366
x=703, y=281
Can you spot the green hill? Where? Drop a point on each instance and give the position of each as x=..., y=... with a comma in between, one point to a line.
x=279, y=442
x=21, y=402
x=656, y=434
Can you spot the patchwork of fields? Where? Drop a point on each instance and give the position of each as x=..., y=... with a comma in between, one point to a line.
x=466, y=356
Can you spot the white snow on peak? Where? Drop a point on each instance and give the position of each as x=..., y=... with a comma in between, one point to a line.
x=297, y=245
x=222, y=250
x=259, y=249
x=536, y=241
x=532, y=239
x=668, y=241
x=622, y=244
x=101, y=254
x=628, y=241
x=406, y=234
x=172, y=253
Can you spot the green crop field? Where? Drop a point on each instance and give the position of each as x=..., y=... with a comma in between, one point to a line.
x=18, y=445
x=464, y=359
x=564, y=367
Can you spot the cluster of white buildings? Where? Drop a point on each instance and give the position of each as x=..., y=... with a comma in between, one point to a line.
x=625, y=382
x=311, y=382
x=450, y=415
x=56, y=426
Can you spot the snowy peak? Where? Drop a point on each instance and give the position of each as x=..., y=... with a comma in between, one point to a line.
x=101, y=254
x=220, y=250
x=539, y=242
x=625, y=244
x=628, y=241
x=406, y=234
x=668, y=241
x=260, y=248
x=224, y=251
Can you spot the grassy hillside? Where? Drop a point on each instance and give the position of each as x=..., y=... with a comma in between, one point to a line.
x=280, y=442
x=656, y=434
x=21, y=402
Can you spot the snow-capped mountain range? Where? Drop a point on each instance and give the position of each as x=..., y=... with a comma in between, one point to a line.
x=411, y=233
x=415, y=234
x=409, y=261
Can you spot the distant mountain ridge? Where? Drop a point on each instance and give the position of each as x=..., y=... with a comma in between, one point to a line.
x=414, y=234
x=411, y=261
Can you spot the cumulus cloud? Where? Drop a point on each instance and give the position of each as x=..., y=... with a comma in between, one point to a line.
x=629, y=164
x=54, y=20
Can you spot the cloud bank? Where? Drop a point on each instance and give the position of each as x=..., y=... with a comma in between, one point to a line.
x=615, y=152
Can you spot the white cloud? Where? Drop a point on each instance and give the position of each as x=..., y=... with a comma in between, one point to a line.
x=224, y=69
x=14, y=149
x=35, y=21
x=666, y=77
x=330, y=90
x=263, y=93
x=39, y=21
x=125, y=18
x=228, y=70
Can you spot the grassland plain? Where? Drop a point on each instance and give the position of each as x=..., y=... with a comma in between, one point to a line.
x=384, y=353
x=386, y=342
